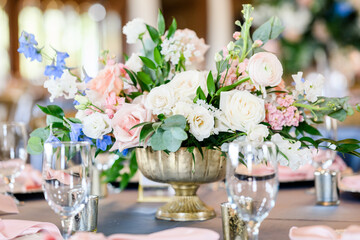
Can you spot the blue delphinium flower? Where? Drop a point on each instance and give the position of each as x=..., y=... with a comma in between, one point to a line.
x=53, y=70
x=52, y=138
x=343, y=9
x=103, y=143
x=27, y=44
x=60, y=59
x=86, y=78
x=125, y=152
x=76, y=131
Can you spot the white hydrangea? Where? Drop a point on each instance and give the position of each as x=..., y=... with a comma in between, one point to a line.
x=311, y=88
x=134, y=63
x=67, y=86
x=295, y=157
x=133, y=29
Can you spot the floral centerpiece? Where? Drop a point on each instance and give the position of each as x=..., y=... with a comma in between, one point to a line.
x=159, y=98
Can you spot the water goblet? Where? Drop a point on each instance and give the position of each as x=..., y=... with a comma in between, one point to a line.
x=252, y=182
x=66, y=179
x=13, y=155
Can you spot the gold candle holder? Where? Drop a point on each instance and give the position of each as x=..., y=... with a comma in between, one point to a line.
x=233, y=227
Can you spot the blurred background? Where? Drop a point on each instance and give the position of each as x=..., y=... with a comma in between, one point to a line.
x=320, y=35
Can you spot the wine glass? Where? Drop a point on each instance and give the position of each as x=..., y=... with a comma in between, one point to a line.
x=252, y=182
x=13, y=155
x=66, y=179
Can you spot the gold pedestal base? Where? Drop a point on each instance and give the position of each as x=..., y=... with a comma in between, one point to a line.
x=185, y=205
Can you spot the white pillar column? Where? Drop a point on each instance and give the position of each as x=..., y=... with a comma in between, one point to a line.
x=220, y=26
x=145, y=9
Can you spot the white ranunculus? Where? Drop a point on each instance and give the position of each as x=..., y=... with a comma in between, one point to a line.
x=290, y=153
x=67, y=86
x=201, y=122
x=182, y=108
x=134, y=63
x=240, y=109
x=160, y=100
x=81, y=114
x=96, y=125
x=265, y=70
x=257, y=133
x=186, y=83
x=133, y=29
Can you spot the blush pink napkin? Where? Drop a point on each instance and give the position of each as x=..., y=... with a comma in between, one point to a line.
x=351, y=182
x=306, y=172
x=321, y=232
x=10, y=229
x=180, y=233
x=7, y=204
x=30, y=178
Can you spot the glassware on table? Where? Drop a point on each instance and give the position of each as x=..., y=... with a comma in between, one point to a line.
x=13, y=154
x=252, y=182
x=66, y=179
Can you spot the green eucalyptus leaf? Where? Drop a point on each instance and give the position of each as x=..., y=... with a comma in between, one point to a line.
x=156, y=141
x=172, y=144
x=174, y=121
x=178, y=133
x=42, y=133
x=35, y=145
x=148, y=62
x=271, y=29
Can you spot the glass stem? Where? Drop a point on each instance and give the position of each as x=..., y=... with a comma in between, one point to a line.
x=66, y=225
x=253, y=230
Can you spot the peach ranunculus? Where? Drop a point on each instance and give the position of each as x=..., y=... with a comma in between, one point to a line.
x=124, y=119
x=265, y=70
x=109, y=79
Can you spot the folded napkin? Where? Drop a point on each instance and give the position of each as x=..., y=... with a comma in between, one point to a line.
x=351, y=182
x=10, y=229
x=180, y=233
x=320, y=232
x=7, y=204
x=30, y=178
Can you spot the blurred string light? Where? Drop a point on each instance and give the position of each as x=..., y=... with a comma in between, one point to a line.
x=97, y=12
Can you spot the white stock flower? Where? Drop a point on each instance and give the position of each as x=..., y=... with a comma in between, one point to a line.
x=265, y=70
x=134, y=63
x=96, y=125
x=160, y=100
x=257, y=133
x=311, y=87
x=133, y=29
x=186, y=83
x=240, y=109
x=201, y=122
x=295, y=157
x=66, y=86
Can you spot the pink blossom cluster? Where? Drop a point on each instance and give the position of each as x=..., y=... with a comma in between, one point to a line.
x=234, y=73
x=281, y=113
x=113, y=103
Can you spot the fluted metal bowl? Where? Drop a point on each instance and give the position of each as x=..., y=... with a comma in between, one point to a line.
x=185, y=175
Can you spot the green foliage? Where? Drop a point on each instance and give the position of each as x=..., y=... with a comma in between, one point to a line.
x=148, y=62
x=52, y=110
x=271, y=29
x=172, y=29
x=161, y=23
x=210, y=84
x=154, y=34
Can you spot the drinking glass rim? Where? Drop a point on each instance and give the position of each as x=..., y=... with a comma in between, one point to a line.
x=67, y=143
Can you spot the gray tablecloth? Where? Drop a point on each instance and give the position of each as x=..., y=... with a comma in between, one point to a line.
x=120, y=213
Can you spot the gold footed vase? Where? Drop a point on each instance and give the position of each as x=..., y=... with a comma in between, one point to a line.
x=185, y=176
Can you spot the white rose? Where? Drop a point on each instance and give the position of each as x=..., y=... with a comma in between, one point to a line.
x=295, y=157
x=160, y=100
x=134, y=63
x=240, y=109
x=96, y=125
x=201, y=122
x=265, y=69
x=186, y=83
x=182, y=108
x=257, y=133
x=134, y=29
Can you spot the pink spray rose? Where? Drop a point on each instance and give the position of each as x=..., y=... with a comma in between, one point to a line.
x=265, y=69
x=113, y=103
x=109, y=79
x=124, y=119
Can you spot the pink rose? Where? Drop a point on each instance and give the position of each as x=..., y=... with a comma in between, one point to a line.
x=265, y=69
x=124, y=119
x=109, y=79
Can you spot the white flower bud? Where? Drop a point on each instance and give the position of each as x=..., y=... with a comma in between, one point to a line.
x=217, y=57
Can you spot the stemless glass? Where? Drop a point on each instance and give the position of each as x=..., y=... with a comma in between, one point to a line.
x=66, y=179
x=252, y=182
x=13, y=155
